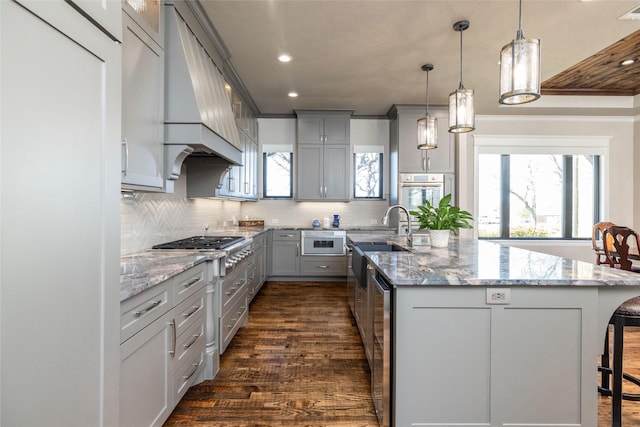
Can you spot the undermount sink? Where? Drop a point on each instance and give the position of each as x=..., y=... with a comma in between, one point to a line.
x=380, y=247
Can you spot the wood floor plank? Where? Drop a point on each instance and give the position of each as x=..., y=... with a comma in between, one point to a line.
x=300, y=362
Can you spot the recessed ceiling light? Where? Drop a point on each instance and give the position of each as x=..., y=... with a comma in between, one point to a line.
x=628, y=61
x=285, y=57
x=293, y=94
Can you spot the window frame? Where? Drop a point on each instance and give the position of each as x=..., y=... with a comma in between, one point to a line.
x=265, y=173
x=567, y=146
x=380, y=154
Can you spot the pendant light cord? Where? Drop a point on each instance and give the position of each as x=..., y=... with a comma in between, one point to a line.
x=427, y=108
x=520, y=34
x=461, y=85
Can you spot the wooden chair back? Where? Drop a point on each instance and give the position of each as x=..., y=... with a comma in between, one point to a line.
x=597, y=240
x=625, y=242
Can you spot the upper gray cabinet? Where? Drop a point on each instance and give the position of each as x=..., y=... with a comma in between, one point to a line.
x=142, y=105
x=323, y=156
x=324, y=127
x=403, y=140
x=148, y=15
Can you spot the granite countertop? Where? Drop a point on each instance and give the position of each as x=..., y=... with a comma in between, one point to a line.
x=472, y=262
x=142, y=270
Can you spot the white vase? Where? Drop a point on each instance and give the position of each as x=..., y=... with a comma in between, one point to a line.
x=439, y=238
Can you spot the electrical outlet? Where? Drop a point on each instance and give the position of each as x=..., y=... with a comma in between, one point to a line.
x=498, y=296
x=275, y=220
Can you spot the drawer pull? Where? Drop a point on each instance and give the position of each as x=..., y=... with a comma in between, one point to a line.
x=191, y=282
x=233, y=322
x=322, y=266
x=147, y=309
x=195, y=338
x=173, y=352
x=195, y=309
x=195, y=368
x=286, y=235
x=231, y=291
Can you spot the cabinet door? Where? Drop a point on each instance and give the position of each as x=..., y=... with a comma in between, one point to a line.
x=142, y=109
x=442, y=159
x=59, y=160
x=410, y=159
x=309, y=171
x=146, y=375
x=336, y=130
x=336, y=172
x=310, y=130
x=250, y=169
x=148, y=14
x=284, y=258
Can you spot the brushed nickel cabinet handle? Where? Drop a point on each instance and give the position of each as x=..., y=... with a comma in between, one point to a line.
x=195, y=310
x=173, y=351
x=147, y=309
x=125, y=143
x=195, y=368
x=193, y=341
x=191, y=282
x=322, y=266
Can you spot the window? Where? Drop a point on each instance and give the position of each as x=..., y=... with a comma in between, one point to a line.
x=367, y=175
x=277, y=179
x=539, y=192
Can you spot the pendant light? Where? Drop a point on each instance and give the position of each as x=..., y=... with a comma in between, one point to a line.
x=461, y=112
x=427, y=125
x=520, y=69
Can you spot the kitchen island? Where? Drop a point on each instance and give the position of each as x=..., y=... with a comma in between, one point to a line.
x=491, y=335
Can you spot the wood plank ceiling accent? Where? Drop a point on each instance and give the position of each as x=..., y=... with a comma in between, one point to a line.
x=601, y=74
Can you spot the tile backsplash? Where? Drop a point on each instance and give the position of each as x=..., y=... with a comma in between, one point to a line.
x=151, y=218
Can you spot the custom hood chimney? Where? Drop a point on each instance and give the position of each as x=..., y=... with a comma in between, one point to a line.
x=198, y=115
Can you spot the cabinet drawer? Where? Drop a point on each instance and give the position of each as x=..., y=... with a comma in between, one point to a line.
x=188, y=282
x=142, y=309
x=191, y=341
x=187, y=374
x=188, y=311
x=233, y=320
x=336, y=266
x=231, y=286
x=253, y=282
x=290, y=235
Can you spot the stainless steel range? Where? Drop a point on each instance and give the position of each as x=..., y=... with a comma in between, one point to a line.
x=227, y=306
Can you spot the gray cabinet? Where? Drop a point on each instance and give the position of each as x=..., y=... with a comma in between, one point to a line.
x=322, y=265
x=323, y=127
x=142, y=108
x=162, y=348
x=323, y=156
x=323, y=172
x=285, y=253
x=60, y=98
x=403, y=142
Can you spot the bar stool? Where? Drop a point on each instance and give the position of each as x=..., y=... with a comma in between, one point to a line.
x=628, y=314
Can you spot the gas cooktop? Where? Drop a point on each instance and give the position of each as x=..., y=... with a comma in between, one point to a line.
x=201, y=242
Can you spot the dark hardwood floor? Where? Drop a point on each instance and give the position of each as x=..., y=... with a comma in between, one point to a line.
x=300, y=362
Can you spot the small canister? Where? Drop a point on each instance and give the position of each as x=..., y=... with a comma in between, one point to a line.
x=326, y=223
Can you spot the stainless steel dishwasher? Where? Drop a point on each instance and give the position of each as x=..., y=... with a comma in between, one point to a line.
x=381, y=384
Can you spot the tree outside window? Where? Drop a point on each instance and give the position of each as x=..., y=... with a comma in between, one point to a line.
x=367, y=180
x=277, y=179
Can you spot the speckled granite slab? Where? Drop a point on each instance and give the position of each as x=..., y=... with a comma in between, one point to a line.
x=142, y=270
x=471, y=262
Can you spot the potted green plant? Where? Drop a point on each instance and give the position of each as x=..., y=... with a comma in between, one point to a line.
x=441, y=220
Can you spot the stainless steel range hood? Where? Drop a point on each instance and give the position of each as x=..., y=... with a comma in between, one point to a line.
x=198, y=115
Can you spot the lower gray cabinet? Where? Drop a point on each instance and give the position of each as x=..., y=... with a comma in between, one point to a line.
x=285, y=253
x=319, y=265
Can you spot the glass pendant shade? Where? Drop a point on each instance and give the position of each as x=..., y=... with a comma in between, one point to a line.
x=427, y=133
x=520, y=68
x=461, y=111
x=520, y=71
x=427, y=125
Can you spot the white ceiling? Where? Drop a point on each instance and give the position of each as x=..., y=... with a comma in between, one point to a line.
x=366, y=55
